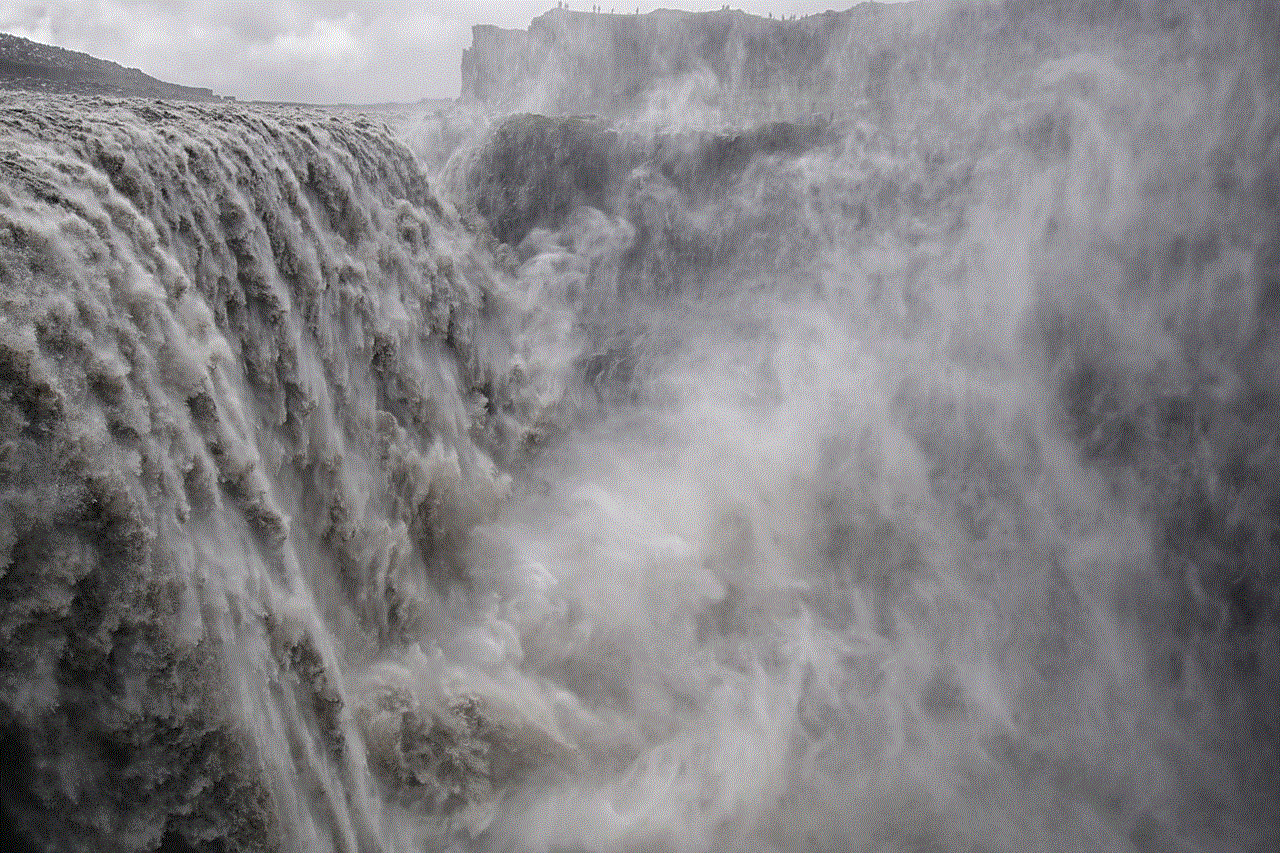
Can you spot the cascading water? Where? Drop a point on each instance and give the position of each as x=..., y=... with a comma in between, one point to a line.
x=899, y=478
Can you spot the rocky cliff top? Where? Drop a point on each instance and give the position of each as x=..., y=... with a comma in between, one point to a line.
x=31, y=66
x=775, y=68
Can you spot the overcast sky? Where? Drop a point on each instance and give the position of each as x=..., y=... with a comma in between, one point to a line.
x=317, y=51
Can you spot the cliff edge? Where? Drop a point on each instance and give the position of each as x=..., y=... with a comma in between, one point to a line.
x=571, y=60
x=777, y=68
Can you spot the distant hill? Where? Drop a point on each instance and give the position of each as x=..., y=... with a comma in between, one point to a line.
x=31, y=66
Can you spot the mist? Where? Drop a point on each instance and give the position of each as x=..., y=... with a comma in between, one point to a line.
x=715, y=433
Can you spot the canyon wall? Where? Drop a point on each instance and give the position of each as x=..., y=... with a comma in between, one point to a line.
x=569, y=61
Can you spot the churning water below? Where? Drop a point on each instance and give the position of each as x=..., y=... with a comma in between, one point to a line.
x=899, y=481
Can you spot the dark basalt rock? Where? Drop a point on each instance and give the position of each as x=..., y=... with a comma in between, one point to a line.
x=535, y=170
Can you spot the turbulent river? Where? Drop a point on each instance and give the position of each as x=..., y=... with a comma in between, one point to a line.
x=894, y=476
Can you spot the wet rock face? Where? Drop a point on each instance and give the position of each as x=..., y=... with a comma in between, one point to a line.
x=535, y=170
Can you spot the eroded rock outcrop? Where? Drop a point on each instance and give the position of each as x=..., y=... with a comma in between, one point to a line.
x=534, y=170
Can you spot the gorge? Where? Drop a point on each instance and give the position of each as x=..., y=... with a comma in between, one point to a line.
x=848, y=433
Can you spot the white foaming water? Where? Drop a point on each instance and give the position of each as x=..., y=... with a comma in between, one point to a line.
x=802, y=499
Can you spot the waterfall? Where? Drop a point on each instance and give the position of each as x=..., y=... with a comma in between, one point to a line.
x=894, y=478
